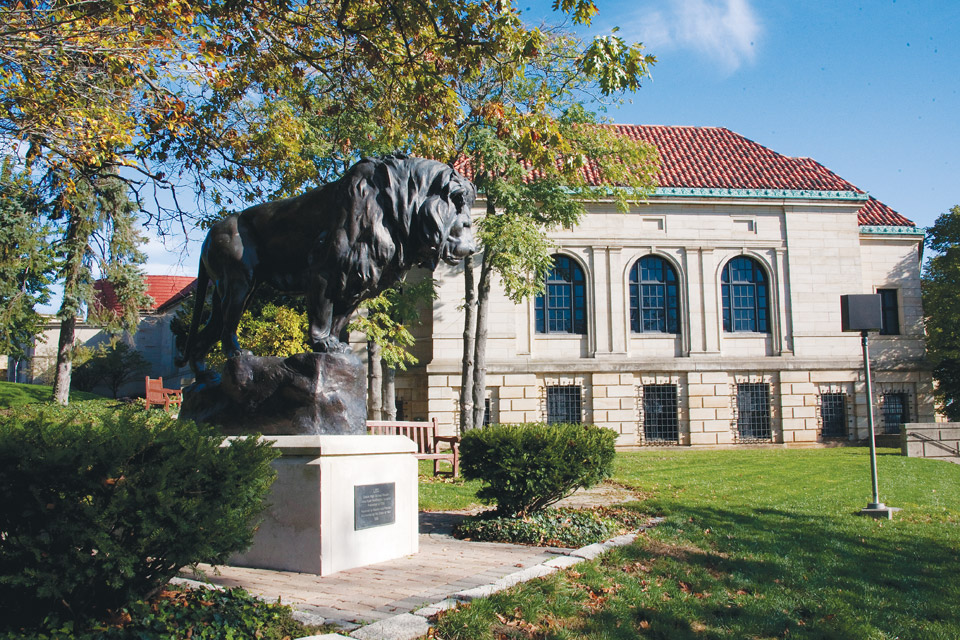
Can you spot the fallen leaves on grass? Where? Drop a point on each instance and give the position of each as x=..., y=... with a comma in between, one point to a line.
x=515, y=623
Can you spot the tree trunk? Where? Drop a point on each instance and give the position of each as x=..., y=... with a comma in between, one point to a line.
x=480, y=346
x=389, y=392
x=374, y=382
x=469, y=329
x=61, y=383
x=75, y=242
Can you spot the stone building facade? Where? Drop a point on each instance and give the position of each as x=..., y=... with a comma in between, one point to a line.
x=707, y=315
x=153, y=338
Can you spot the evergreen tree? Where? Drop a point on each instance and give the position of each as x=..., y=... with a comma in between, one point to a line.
x=100, y=230
x=27, y=261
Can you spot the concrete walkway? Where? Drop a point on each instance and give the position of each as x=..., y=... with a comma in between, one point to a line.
x=443, y=567
x=444, y=571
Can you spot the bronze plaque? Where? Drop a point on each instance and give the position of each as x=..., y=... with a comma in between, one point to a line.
x=374, y=505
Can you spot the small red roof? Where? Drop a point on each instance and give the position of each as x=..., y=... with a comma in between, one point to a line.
x=717, y=158
x=875, y=213
x=165, y=290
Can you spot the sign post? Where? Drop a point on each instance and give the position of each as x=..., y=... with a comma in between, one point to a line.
x=863, y=313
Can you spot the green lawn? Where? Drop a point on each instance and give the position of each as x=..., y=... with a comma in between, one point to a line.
x=756, y=544
x=13, y=394
x=445, y=493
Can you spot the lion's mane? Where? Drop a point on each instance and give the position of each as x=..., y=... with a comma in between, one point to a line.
x=396, y=217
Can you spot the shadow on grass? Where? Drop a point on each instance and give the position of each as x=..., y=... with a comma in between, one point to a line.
x=775, y=573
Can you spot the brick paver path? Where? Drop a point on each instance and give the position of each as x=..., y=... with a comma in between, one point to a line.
x=443, y=567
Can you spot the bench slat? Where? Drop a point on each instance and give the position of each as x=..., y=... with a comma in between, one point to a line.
x=424, y=435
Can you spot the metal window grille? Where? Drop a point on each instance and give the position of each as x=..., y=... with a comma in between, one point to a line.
x=654, y=297
x=894, y=411
x=564, y=404
x=744, y=292
x=753, y=411
x=660, y=421
x=833, y=415
x=486, y=411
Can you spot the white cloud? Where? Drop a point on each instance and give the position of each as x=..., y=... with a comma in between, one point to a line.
x=167, y=257
x=723, y=30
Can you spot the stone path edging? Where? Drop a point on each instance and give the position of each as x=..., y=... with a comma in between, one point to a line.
x=409, y=626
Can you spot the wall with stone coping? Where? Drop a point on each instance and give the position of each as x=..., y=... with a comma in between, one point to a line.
x=939, y=441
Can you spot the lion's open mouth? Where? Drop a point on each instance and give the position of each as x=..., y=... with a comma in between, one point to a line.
x=453, y=251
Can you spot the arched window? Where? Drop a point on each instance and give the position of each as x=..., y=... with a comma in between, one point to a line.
x=562, y=307
x=653, y=297
x=746, y=300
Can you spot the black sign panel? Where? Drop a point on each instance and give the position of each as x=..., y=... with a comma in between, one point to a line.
x=374, y=505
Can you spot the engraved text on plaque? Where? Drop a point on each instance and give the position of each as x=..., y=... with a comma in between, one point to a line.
x=374, y=505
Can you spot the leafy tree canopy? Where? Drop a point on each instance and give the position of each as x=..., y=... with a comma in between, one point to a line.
x=941, y=303
x=387, y=319
x=243, y=100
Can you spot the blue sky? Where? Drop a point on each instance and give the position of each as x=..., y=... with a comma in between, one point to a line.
x=869, y=89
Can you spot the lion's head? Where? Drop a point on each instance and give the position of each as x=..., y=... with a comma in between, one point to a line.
x=454, y=225
x=433, y=203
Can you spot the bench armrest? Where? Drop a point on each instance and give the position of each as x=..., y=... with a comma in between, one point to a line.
x=453, y=441
x=171, y=397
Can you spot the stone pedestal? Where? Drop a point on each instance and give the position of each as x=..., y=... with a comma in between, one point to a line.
x=339, y=501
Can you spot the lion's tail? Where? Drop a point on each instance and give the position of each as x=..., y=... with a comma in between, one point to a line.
x=199, y=300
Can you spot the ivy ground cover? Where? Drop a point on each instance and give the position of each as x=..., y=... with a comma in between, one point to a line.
x=756, y=544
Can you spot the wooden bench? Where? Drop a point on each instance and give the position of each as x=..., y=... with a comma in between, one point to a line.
x=424, y=434
x=156, y=395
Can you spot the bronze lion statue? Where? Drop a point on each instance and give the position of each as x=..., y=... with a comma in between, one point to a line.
x=338, y=244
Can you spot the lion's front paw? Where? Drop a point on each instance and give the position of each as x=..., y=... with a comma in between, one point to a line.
x=329, y=344
x=204, y=379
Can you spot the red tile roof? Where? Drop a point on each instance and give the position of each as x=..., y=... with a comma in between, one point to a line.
x=875, y=213
x=713, y=157
x=165, y=290
x=717, y=158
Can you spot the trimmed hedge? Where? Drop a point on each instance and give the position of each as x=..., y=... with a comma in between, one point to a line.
x=525, y=468
x=99, y=510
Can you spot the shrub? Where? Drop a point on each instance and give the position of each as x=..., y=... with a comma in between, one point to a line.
x=524, y=468
x=555, y=527
x=100, y=509
x=199, y=614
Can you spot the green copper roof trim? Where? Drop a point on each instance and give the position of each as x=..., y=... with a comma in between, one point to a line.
x=891, y=230
x=778, y=194
x=804, y=194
